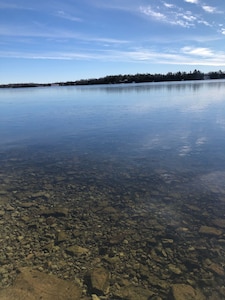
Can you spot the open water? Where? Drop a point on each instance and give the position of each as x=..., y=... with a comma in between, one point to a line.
x=133, y=174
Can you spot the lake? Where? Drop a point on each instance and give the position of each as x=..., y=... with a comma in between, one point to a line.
x=123, y=180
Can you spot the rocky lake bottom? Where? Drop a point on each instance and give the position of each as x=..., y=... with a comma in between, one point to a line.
x=115, y=230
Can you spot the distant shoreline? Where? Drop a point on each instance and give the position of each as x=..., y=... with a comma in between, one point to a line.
x=119, y=79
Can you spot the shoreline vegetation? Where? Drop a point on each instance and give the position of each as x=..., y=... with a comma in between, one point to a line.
x=137, y=78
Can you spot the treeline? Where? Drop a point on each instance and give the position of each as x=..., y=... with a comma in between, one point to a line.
x=24, y=85
x=137, y=78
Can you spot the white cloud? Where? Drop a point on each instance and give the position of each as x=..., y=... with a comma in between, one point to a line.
x=192, y=1
x=168, y=5
x=189, y=18
x=209, y=9
x=198, y=51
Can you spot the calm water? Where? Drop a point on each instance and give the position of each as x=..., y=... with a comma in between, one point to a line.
x=133, y=174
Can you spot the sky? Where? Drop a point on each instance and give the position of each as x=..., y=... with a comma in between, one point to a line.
x=67, y=40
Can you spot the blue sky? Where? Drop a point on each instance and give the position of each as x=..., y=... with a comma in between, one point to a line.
x=52, y=40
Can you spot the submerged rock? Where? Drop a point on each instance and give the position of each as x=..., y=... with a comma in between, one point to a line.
x=185, y=292
x=55, y=212
x=61, y=237
x=132, y=292
x=210, y=231
x=99, y=279
x=216, y=269
x=76, y=250
x=34, y=285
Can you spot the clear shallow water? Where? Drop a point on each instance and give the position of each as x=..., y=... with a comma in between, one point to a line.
x=141, y=170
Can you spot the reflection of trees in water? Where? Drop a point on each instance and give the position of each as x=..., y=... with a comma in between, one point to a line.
x=154, y=86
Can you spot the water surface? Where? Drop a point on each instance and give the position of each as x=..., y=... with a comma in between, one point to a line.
x=132, y=173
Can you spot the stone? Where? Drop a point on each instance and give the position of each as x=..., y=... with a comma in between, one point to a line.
x=99, y=278
x=95, y=297
x=116, y=239
x=109, y=210
x=55, y=212
x=76, y=250
x=41, y=194
x=174, y=269
x=2, y=212
x=61, y=237
x=216, y=269
x=219, y=222
x=49, y=247
x=34, y=285
x=185, y=292
x=9, y=208
x=27, y=204
x=132, y=292
x=210, y=231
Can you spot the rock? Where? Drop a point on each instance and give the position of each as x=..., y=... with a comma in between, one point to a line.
x=100, y=280
x=27, y=204
x=174, y=269
x=167, y=241
x=76, y=250
x=55, y=212
x=217, y=269
x=116, y=239
x=210, y=231
x=185, y=292
x=33, y=225
x=2, y=212
x=25, y=219
x=34, y=285
x=9, y=208
x=219, y=222
x=61, y=237
x=132, y=292
x=49, y=247
x=95, y=297
x=109, y=210
x=41, y=194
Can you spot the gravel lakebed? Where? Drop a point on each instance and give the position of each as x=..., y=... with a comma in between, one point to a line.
x=116, y=231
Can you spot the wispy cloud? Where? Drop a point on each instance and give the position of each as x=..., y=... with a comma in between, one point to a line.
x=172, y=15
x=205, y=7
x=176, y=15
x=7, y=5
x=152, y=13
x=184, y=56
x=66, y=16
x=58, y=34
